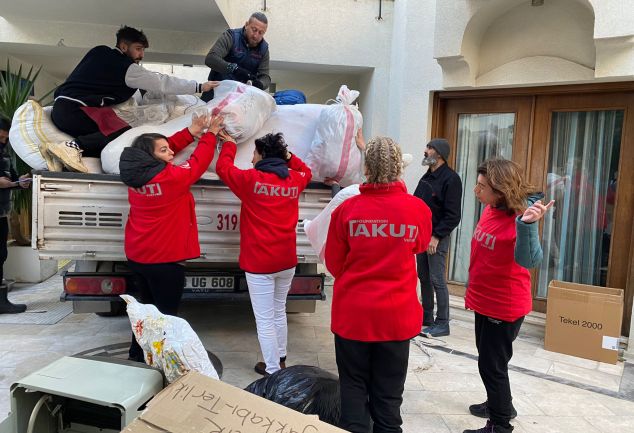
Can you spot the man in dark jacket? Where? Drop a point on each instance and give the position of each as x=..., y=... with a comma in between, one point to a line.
x=241, y=55
x=105, y=77
x=441, y=189
x=8, y=179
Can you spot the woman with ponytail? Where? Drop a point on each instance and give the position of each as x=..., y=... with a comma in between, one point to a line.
x=371, y=250
x=268, y=218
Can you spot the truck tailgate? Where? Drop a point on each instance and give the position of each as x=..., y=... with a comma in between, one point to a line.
x=82, y=217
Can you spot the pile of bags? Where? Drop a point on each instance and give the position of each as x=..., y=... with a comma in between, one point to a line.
x=322, y=135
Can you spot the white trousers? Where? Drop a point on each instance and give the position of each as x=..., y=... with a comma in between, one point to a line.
x=268, y=298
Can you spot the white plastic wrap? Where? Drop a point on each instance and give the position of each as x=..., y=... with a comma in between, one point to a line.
x=156, y=110
x=333, y=153
x=31, y=126
x=317, y=229
x=245, y=108
x=168, y=342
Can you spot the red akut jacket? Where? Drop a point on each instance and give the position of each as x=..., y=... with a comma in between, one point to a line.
x=498, y=287
x=161, y=226
x=269, y=211
x=370, y=250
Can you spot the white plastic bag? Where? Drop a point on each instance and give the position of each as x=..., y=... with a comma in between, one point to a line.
x=168, y=342
x=111, y=154
x=31, y=126
x=333, y=153
x=317, y=229
x=244, y=108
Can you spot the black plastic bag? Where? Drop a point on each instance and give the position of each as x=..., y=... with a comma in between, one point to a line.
x=304, y=388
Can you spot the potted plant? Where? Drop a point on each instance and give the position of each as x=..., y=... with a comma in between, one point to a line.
x=15, y=90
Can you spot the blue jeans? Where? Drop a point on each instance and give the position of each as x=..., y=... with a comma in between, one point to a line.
x=431, y=273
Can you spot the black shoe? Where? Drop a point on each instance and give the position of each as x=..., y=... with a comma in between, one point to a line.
x=6, y=307
x=437, y=330
x=491, y=428
x=482, y=411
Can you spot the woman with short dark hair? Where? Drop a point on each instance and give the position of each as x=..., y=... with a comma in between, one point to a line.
x=269, y=193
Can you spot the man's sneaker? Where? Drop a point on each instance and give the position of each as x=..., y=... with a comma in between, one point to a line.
x=482, y=411
x=437, y=330
x=491, y=428
x=52, y=163
x=70, y=154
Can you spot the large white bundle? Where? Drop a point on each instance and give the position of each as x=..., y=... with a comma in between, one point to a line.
x=333, y=153
x=31, y=126
x=317, y=229
x=296, y=122
x=168, y=342
x=244, y=108
x=111, y=154
x=156, y=110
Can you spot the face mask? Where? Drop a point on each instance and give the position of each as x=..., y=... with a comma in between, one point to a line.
x=429, y=160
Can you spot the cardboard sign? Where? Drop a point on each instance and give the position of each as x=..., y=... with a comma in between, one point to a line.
x=199, y=404
x=584, y=321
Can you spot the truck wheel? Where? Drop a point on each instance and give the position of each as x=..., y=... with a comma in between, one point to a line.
x=116, y=309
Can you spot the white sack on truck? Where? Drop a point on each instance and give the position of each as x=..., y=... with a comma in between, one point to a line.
x=334, y=154
x=156, y=109
x=296, y=122
x=317, y=229
x=168, y=342
x=245, y=108
x=32, y=126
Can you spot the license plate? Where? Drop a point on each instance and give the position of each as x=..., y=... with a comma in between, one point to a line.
x=207, y=284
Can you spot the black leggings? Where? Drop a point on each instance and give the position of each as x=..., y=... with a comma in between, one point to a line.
x=160, y=284
x=4, y=236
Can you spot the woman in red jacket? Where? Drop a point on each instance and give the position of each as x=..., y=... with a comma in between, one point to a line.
x=268, y=217
x=505, y=245
x=371, y=250
x=161, y=231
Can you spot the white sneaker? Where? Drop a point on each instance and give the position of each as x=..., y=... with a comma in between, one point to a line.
x=52, y=162
x=70, y=154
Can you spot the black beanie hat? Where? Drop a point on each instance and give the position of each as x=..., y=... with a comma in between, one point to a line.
x=441, y=146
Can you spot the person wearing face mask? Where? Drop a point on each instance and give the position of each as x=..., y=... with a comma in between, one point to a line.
x=241, y=54
x=441, y=189
x=105, y=77
x=161, y=231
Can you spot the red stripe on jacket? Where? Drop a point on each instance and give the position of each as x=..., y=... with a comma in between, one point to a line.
x=269, y=211
x=370, y=250
x=161, y=226
x=498, y=287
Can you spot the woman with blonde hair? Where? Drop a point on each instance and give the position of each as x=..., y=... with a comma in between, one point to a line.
x=504, y=246
x=371, y=251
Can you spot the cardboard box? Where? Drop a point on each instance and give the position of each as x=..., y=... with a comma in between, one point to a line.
x=197, y=403
x=584, y=321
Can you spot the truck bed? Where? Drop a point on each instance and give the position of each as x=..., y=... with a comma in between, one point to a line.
x=82, y=217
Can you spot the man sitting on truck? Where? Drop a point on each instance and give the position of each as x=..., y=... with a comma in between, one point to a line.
x=106, y=77
x=241, y=55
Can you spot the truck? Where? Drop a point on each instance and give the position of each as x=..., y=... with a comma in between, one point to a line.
x=82, y=216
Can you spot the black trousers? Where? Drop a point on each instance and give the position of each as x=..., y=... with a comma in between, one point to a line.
x=69, y=118
x=372, y=379
x=161, y=284
x=494, y=340
x=4, y=237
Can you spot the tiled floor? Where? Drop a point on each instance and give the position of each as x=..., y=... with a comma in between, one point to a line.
x=442, y=382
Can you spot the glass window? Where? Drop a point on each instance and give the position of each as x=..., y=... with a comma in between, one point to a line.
x=480, y=136
x=582, y=173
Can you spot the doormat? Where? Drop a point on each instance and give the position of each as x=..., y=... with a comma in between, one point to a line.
x=39, y=313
